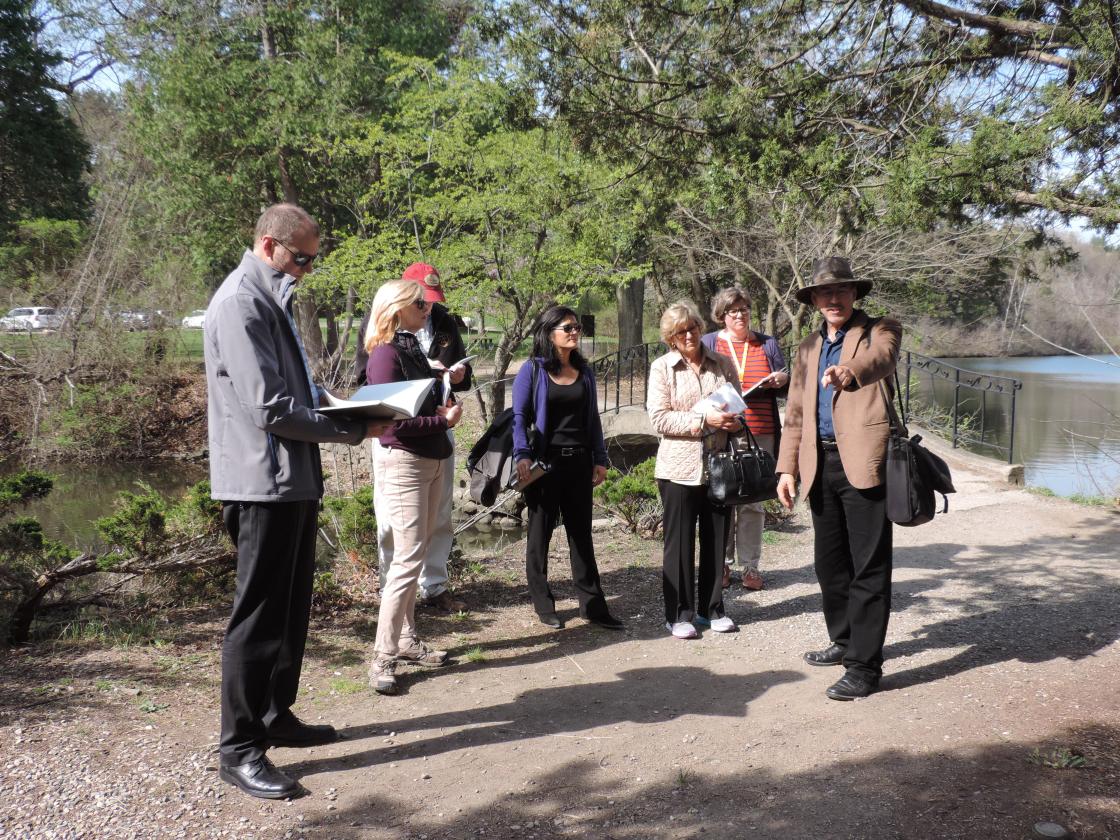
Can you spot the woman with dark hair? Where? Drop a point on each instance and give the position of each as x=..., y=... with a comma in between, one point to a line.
x=555, y=392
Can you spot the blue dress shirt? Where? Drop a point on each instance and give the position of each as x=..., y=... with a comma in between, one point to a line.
x=830, y=355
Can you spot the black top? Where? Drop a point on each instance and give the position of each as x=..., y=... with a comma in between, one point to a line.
x=566, y=413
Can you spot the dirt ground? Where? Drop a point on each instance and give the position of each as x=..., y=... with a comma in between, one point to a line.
x=998, y=708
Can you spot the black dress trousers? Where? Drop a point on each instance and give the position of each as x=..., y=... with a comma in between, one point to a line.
x=263, y=649
x=852, y=555
x=564, y=492
x=687, y=507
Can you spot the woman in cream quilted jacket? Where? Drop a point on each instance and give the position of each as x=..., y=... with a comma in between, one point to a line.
x=677, y=382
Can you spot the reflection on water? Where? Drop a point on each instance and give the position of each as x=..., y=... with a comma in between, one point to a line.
x=84, y=493
x=1067, y=424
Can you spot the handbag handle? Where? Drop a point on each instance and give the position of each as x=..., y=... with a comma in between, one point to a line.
x=898, y=428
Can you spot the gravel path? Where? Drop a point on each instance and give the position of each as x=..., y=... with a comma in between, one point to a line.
x=1002, y=661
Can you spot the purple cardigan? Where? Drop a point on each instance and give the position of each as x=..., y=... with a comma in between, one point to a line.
x=534, y=409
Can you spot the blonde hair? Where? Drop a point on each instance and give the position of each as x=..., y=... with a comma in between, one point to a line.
x=677, y=317
x=384, y=314
x=724, y=300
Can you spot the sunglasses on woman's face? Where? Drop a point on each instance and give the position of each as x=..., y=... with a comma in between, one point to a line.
x=695, y=328
x=568, y=329
x=421, y=304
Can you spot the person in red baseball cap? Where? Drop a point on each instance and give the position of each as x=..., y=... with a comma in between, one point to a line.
x=443, y=345
x=428, y=279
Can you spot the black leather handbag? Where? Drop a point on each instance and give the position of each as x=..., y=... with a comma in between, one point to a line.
x=742, y=474
x=914, y=473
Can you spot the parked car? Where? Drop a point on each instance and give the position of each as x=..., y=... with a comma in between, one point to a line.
x=31, y=318
x=195, y=320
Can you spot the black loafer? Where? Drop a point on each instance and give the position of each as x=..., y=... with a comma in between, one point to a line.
x=551, y=620
x=295, y=733
x=606, y=620
x=852, y=686
x=261, y=779
x=831, y=655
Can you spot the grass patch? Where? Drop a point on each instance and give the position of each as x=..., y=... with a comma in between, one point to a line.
x=1045, y=492
x=771, y=537
x=151, y=707
x=345, y=685
x=475, y=654
x=684, y=777
x=103, y=685
x=114, y=632
x=461, y=616
x=1092, y=501
x=1060, y=758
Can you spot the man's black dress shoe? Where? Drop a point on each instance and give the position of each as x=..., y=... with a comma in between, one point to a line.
x=551, y=620
x=831, y=655
x=852, y=686
x=606, y=620
x=295, y=733
x=260, y=778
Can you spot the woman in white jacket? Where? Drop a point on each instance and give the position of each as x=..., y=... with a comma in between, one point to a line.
x=677, y=382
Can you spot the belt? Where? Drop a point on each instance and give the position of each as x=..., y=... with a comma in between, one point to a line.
x=565, y=451
x=830, y=446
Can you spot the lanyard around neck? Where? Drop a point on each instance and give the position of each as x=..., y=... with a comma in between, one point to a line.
x=740, y=364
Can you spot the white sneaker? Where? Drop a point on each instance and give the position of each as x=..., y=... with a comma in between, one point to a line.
x=682, y=630
x=723, y=625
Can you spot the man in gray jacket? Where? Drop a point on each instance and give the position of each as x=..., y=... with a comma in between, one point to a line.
x=264, y=468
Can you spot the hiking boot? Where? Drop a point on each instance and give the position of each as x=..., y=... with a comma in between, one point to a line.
x=752, y=580
x=444, y=602
x=383, y=675
x=418, y=653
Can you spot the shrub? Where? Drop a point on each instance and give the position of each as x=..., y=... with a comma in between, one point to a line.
x=633, y=498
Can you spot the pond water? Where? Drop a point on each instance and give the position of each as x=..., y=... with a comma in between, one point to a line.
x=83, y=493
x=1067, y=423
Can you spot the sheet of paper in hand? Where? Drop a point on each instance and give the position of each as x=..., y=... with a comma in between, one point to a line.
x=445, y=374
x=724, y=398
x=390, y=401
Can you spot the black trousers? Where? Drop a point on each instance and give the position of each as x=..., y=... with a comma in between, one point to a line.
x=263, y=649
x=852, y=555
x=563, y=492
x=685, y=508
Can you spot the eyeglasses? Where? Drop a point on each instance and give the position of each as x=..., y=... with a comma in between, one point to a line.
x=569, y=328
x=298, y=257
x=738, y=313
x=695, y=328
x=421, y=304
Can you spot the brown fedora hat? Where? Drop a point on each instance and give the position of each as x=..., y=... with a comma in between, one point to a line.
x=828, y=272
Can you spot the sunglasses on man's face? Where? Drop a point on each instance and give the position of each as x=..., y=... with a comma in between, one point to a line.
x=298, y=257
x=568, y=329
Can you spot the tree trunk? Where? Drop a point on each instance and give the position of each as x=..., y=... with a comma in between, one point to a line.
x=307, y=317
x=631, y=299
x=503, y=355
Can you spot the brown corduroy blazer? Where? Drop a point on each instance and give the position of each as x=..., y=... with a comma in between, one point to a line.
x=859, y=412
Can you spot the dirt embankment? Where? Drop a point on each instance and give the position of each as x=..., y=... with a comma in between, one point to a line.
x=161, y=417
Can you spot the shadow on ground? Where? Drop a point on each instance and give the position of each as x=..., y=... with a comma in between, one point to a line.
x=996, y=792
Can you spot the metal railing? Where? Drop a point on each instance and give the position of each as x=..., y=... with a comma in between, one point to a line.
x=622, y=377
x=973, y=382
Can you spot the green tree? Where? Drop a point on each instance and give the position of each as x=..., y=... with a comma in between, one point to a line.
x=42, y=155
x=242, y=106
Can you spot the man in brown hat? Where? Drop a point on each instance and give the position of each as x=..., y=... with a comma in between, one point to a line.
x=835, y=442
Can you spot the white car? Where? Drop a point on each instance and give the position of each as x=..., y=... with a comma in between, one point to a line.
x=195, y=320
x=28, y=318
